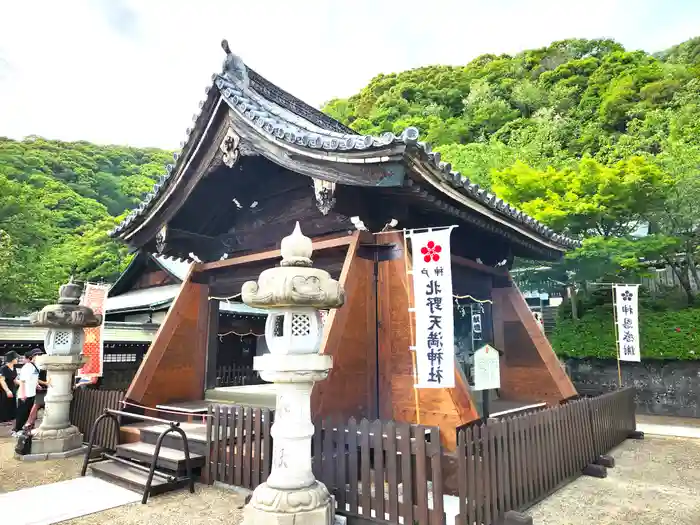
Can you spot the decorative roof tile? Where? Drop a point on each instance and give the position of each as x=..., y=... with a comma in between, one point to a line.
x=288, y=119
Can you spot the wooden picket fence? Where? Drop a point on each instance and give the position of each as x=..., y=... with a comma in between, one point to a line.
x=237, y=376
x=513, y=463
x=382, y=470
x=87, y=405
x=612, y=418
x=240, y=450
x=389, y=472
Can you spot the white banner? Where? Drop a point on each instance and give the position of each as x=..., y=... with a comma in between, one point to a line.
x=432, y=285
x=627, y=319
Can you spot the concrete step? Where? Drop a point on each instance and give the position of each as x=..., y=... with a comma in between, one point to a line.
x=168, y=458
x=256, y=396
x=196, y=437
x=131, y=478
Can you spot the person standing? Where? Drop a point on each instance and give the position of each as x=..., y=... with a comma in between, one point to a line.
x=8, y=387
x=28, y=383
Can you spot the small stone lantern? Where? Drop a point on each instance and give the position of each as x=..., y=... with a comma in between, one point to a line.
x=65, y=321
x=294, y=293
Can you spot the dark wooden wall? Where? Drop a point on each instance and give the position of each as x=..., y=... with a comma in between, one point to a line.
x=530, y=370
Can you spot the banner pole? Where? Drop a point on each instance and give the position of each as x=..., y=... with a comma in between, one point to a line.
x=411, y=341
x=617, y=337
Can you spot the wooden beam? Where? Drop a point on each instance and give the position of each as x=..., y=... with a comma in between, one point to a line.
x=212, y=344
x=468, y=263
x=318, y=244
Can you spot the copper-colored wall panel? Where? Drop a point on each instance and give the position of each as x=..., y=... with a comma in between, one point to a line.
x=349, y=339
x=447, y=408
x=173, y=368
x=530, y=371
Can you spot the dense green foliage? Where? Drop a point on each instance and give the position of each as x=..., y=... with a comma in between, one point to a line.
x=585, y=136
x=669, y=334
x=58, y=200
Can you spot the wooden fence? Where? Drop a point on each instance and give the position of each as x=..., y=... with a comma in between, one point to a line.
x=384, y=470
x=612, y=418
x=240, y=445
x=88, y=405
x=237, y=376
x=388, y=472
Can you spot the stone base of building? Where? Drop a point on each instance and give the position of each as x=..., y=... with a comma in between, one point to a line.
x=52, y=455
x=311, y=505
x=59, y=441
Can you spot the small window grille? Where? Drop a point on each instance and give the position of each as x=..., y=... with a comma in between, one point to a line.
x=301, y=325
x=279, y=326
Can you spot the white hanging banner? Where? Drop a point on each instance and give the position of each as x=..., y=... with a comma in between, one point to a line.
x=487, y=368
x=432, y=285
x=627, y=319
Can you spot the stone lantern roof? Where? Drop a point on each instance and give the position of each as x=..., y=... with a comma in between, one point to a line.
x=67, y=313
x=294, y=283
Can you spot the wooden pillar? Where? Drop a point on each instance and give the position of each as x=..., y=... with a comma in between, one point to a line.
x=212, y=344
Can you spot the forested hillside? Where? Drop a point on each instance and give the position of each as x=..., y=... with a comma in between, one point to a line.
x=592, y=139
x=57, y=202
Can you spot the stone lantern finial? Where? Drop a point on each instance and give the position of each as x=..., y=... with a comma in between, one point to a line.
x=296, y=249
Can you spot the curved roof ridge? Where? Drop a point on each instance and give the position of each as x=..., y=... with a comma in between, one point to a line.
x=273, y=110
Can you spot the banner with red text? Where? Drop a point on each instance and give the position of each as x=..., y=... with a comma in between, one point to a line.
x=432, y=289
x=95, y=297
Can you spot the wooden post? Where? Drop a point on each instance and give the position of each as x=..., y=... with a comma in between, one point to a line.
x=212, y=344
x=574, y=305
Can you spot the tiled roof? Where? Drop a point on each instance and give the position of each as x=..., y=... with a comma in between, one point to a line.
x=161, y=297
x=278, y=114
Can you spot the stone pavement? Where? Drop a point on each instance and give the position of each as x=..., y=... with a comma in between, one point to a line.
x=655, y=482
x=669, y=426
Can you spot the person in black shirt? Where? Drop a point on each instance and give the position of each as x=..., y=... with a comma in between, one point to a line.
x=8, y=387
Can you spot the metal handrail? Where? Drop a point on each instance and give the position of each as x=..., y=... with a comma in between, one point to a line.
x=93, y=431
x=173, y=426
x=142, y=417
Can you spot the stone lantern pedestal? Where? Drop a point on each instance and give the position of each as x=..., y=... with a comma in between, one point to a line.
x=56, y=437
x=294, y=293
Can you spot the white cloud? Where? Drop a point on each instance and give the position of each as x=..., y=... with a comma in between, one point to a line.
x=133, y=72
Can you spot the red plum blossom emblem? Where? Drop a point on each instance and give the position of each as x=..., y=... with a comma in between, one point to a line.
x=431, y=252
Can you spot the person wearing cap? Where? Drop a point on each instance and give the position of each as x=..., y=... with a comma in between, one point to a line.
x=8, y=387
x=26, y=393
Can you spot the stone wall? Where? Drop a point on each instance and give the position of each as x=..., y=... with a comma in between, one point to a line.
x=669, y=388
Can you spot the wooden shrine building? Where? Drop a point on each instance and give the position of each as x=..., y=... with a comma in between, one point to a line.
x=257, y=160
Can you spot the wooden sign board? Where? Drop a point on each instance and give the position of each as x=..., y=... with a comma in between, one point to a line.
x=487, y=371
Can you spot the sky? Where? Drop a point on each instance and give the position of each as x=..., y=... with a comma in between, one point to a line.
x=133, y=72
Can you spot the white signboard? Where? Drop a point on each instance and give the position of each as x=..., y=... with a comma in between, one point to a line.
x=627, y=319
x=432, y=285
x=487, y=368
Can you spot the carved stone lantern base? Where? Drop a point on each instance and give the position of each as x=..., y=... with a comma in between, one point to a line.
x=56, y=437
x=311, y=505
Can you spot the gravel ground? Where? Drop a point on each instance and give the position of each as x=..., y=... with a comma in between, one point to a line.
x=655, y=482
x=207, y=505
x=15, y=475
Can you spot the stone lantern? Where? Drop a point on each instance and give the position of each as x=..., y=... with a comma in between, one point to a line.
x=65, y=321
x=294, y=293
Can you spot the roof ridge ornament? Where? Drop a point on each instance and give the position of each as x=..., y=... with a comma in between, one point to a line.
x=235, y=69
